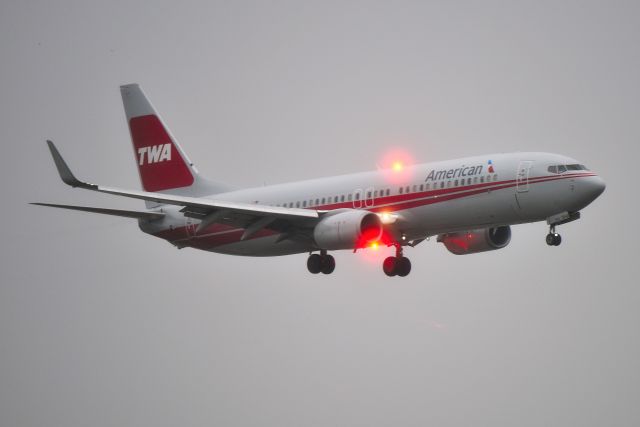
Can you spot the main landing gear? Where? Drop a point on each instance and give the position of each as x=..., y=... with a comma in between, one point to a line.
x=553, y=238
x=397, y=265
x=321, y=263
x=392, y=266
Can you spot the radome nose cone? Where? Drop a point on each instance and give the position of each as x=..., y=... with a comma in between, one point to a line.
x=596, y=186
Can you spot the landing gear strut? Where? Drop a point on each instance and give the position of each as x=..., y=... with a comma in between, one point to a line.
x=321, y=263
x=553, y=238
x=397, y=265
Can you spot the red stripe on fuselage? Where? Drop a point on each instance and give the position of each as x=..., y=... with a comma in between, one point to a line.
x=221, y=234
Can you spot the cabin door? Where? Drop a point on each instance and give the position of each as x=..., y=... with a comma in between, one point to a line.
x=524, y=204
x=522, y=176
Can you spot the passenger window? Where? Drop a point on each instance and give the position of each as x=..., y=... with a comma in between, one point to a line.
x=475, y=180
x=388, y=191
x=408, y=189
x=375, y=193
x=323, y=199
x=342, y=198
x=468, y=181
x=297, y=204
x=442, y=184
x=368, y=194
x=455, y=183
x=448, y=184
x=349, y=197
x=428, y=186
x=304, y=204
x=400, y=190
x=415, y=188
x=358, y=196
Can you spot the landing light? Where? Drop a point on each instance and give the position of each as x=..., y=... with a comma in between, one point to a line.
x=398, y=166
x=387, y=218
x=374, y=246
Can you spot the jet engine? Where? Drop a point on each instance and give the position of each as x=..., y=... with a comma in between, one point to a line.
x=347, y=229
x=474, y=241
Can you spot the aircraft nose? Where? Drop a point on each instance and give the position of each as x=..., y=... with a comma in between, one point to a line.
x=584, y=190
x=596, y=186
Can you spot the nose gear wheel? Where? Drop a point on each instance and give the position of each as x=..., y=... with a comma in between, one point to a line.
x=553, y=238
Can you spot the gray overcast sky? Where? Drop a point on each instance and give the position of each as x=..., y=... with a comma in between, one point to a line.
x=102, y=325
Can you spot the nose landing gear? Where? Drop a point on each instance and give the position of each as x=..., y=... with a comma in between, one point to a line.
x=321, y=263
x=397, y=265
x=553, y=238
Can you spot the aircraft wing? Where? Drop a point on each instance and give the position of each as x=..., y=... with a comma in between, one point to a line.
x=115, y=212
x=209, y=211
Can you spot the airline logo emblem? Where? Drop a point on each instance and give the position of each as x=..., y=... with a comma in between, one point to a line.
x=463, y=171
x=154, y=154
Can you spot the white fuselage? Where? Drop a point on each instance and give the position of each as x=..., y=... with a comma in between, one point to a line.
x=421, y=200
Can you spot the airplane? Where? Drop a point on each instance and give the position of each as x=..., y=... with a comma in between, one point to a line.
x=470, y=203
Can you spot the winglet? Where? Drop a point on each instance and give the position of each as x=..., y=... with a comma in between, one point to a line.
x=65, y=173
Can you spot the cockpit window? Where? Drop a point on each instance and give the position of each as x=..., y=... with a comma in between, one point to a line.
x=577, y=167
x=564, y=168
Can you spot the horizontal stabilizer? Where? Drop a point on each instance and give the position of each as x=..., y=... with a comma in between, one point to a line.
x=116, y=212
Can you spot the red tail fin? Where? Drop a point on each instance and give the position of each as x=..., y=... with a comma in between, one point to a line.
x=161, y=163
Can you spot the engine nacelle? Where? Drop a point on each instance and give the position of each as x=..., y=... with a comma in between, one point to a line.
x=348, y=229
x=474, y=241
